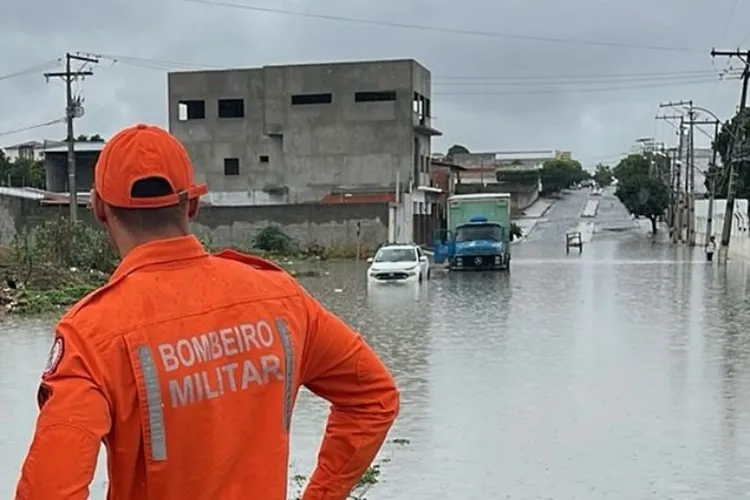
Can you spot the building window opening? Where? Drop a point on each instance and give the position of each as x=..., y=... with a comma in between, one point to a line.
x=191, y=110
x=231, y=108
x=418, y=105
x=231, y=166
x=264, y=159
x=379, y=96
x=302, y=99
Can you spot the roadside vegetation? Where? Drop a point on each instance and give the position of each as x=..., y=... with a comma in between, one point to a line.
x=55, y=264
x=603, y=175
x=369, y=480
x=642, y=186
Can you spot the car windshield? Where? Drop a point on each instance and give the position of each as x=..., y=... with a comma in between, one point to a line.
x=396, y=255
x=473, y=232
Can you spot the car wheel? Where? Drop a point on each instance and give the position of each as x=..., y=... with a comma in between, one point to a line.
x=420, y=276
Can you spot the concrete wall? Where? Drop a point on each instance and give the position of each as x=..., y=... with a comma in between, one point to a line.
x=739, y=242
x=308, y=150
x=326, y=225
x=519, y=161
x=523, y=196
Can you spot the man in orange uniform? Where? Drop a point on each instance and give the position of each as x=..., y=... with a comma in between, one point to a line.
x=187, y=365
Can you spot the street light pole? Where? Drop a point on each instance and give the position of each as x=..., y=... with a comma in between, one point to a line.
x=674, y=179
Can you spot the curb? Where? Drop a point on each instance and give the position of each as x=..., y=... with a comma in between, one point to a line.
x=544, y=212
x=538, y=218
x=549, y=207
x=596, y=210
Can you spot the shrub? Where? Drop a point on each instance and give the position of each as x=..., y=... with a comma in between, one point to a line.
x=61, y=243
x=369, y=479
x=272, y=239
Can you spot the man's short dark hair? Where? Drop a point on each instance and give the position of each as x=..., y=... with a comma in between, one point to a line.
x=150, y=220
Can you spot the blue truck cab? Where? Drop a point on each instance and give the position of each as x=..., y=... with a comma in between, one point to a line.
x=478, y=234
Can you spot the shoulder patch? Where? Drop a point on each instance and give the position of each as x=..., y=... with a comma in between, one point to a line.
x=55, y=356
x=250, y=260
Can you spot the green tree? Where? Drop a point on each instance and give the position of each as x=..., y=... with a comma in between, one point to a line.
x=558, y=174
x=4, y=167
x=456, y=149
x=603, y=175
x=641, y=189
x=89, y=138
x=634, y=165
x=27, y=173
x=723, y=145
x=22, y=172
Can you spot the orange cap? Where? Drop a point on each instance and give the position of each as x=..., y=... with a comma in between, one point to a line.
x=140, y=152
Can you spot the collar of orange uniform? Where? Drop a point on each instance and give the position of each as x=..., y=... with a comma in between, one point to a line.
x=160, y=252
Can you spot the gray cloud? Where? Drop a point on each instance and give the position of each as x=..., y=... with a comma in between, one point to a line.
x=583, y=114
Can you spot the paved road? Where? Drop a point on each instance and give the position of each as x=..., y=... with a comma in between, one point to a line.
x=619, y=374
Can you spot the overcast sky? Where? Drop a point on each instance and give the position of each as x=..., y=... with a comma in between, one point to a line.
x=490, y=93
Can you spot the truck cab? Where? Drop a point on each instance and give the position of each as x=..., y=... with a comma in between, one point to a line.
x=478, y=234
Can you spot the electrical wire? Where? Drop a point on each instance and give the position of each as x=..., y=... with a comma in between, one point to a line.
x=671, y=78
x=552, y=82
x=32, y=127
x=151, y=63
x=33, y=69
x=705, y=173
x=437, y=29
x=580, y=76
x=566, y=90
x=729, y=21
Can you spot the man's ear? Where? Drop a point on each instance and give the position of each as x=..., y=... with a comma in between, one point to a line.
x=97, y=207
x=193, y=206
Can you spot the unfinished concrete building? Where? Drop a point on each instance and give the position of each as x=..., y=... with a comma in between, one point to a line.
x=293, y=134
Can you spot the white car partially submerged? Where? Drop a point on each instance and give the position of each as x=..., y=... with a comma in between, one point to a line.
x=398, y=264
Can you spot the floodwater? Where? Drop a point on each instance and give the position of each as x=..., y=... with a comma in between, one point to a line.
x=621, y=373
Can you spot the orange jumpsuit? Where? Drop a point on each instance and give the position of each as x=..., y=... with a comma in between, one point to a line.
x=187, y=366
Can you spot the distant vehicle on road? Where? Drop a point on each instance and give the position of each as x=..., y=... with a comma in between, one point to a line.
x=596, y=191
x=398, y=263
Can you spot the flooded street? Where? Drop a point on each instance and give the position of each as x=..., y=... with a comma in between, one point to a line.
x=622, y=373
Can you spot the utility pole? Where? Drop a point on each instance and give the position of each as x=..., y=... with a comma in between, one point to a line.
x=674, y=184
x=688, y=207
x=713, y=174
x=732, y=185
x=691, y=184
x=72, y=111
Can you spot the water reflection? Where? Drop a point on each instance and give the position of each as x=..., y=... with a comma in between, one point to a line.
x=620, y=374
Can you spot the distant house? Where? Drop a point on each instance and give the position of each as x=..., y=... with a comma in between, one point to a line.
x=30, y=150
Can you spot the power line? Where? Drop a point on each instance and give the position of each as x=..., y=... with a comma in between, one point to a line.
x=657, y=74
x=164, y=64
x=32, y=70
x=437, y=29
x=32, y=127
x=151, y=63
x=566, y=90
x=552, y=82
x=729, y=22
